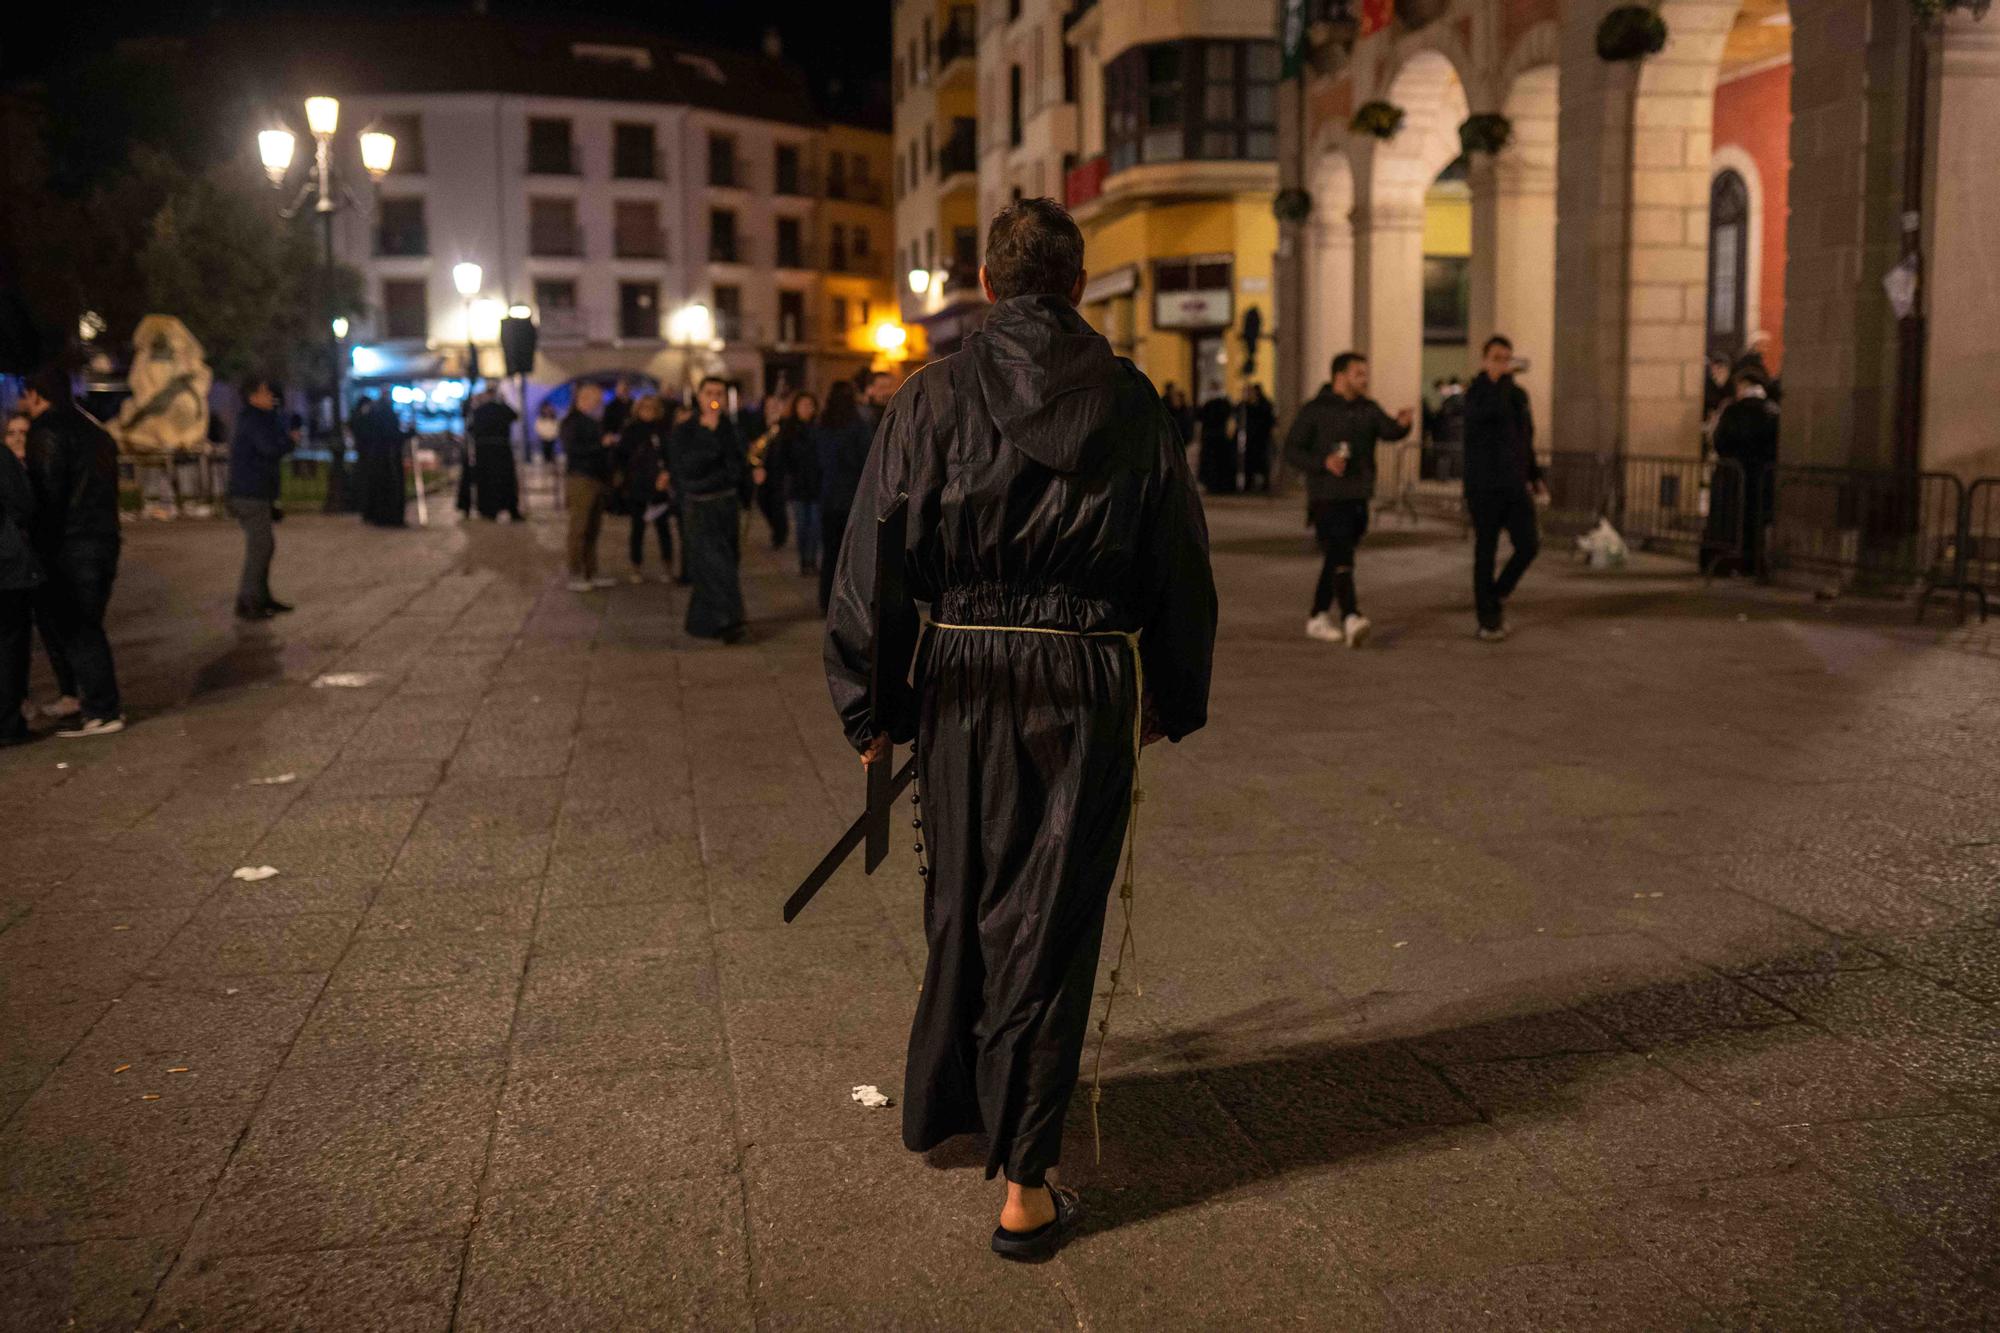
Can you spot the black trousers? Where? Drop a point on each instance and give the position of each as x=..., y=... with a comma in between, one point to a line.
x=832, y=531
x=1494, y=512
x=70, y=609
x=663, y=528
x=1341, y=524
x=253, y=587
x=16, y=621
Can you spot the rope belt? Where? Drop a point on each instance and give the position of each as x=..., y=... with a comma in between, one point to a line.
x=1125, y=942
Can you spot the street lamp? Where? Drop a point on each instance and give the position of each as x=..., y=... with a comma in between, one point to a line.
x=689, y=327
x=276, y=148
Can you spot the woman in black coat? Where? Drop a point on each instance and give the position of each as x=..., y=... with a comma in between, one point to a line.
x=793, y=457
x=841, y=441
x=642, y=446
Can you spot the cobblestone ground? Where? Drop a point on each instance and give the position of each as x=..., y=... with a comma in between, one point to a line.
x=1640, y=972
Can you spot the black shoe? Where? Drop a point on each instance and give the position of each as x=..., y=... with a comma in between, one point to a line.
x=254, y=612
x=735, y=634
x=276, y=607
x=1046, y=1239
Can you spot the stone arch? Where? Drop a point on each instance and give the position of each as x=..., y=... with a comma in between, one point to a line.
x=1389, y=220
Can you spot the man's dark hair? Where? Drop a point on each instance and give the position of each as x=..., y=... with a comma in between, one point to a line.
x=707, y=380
x=874, y=375
x=1033, y=248
x=1497, y=340
x=252, y=383
x=52, y=383
x=1346, y=359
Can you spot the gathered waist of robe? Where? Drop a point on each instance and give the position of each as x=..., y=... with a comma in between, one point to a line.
x=1001, y=606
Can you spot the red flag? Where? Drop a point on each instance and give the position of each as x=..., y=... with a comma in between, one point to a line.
x=1375, y=15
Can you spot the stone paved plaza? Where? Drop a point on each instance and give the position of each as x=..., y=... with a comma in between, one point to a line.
x=1642, y=972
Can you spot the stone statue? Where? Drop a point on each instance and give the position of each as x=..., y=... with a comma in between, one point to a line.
x=168, y=409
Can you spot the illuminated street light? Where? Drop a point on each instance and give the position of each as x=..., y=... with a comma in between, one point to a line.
x=467, y=277
x=378, y=152
x=920, y=281
x=519, y=312
x=340, y=326
x=691, y=325
x=890, y=336
x=276, y=147
x=322, y=116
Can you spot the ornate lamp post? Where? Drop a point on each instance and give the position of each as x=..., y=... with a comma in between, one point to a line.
x=276, y=147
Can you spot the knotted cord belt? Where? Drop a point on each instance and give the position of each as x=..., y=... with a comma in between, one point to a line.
x=1125, y=941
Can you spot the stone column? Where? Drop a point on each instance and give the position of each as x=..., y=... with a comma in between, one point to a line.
x=1389, y=296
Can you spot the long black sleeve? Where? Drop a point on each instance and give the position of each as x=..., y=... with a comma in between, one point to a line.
x=849, y=616
x=1388, y=428
x=1177, y=646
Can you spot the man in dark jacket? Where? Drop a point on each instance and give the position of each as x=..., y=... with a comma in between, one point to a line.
x=256, y=453
x=1332, y=444
x=1747, y=435
x=1055, y=534
x=20, y=575
x=1502, y=480
x=74, y=467
x=586, y=473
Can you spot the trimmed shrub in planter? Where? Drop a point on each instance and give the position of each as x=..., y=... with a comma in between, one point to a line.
x=1377, y=119
x=1630, y=32
x=1485, y=132
x=1292, y=205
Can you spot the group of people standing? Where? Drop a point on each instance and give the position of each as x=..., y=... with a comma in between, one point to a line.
x=1740, y=423
x=59, y=547
x=1234, y=438
x=697, y=465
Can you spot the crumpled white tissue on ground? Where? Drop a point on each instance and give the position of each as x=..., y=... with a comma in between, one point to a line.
x=278, y=781
x=869, y=1096
x=253, y=872
x=346, y=680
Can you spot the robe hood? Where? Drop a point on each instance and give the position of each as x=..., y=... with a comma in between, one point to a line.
x=1050, y=380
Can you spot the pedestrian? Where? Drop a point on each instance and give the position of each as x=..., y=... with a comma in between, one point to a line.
x=1503, y=479
x=1257, y=421
x=797, y=454
x=648, y=493
x=1741, y=499
x=1332, y=442
x=841, y=440
x=497, y=483
x=20, y=575
x=586, y=472
x=74, y=467
x=379, y=443
x=66, y=706
x=256, y=452
x=548, y=426
x=878, y=389
x=617, y=411
x=706, y=463
x=1218, y=445
x=1178, y=410
x=1056, y=537
x=767, y=470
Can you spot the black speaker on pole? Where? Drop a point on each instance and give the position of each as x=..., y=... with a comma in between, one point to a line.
x=517, y=344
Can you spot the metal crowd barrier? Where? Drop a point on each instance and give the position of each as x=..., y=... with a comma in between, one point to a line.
x=1975, y=563
x=1886, y=528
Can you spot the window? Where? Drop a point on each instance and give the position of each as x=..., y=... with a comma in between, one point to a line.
x=839, y=308
x=549, y=151
x=965, y=247
x=1069, y=72
x=554, y=294
x=729, y=313
x=633, y=154
x=635, y=230
x=791, y=317
x=836, y=176
x=900, y=191
x=406, y=309
x=409, y=132
x=930, y=152
x=961, y=151
x=929, y=45
x=1013, y=10
x=722, y=247
x=791, y=244
x=722, y=160
x=1728, y=261
x=1447, y=300
x=899, y=79
x=1171, y=101
x=836, y=247
x=399, y=227
x=790, y=178
x=860, y=241
x=639, y=310
x=930, y=248
x=1014, y=104
x=867, y=311
x=552, y=228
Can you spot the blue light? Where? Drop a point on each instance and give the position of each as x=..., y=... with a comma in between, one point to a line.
x=368, y=361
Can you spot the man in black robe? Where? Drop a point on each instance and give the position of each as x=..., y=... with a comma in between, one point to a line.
x=1218, y=446
x=1056, y=538
x=497, y=485
x=706, y=465
x=1741, y=502
x=378, y=442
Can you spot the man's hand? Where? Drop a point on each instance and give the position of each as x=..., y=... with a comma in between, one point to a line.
x=1404, y=417
x=660, y=483
x=757, y=475
x=1336, y=463
x=877, y=749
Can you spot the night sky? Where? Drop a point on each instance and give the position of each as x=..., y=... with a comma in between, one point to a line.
x=837, y=40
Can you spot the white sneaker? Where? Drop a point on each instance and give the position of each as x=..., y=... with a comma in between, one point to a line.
x=1321, y=627
x=579, y=585
x=94, y=726
x=1356, y=628
x=604, y=581
x=1494, y=635
x=635, y=577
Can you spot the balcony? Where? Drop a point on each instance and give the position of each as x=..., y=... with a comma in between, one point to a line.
x=958, y=160
x=961, y=278
x=552, y=160
x=555, y=242
x=729, y=326
x=795, y=256
x=1077, y=9
x=958, y=48
x=797, y=184
x=639, y=243
x=632, y=165
x=728, y=250
x=728, y=176
x=563, y=324
x=402, y=242
x=855, y=191
x=859, y=266
x=1085, y=181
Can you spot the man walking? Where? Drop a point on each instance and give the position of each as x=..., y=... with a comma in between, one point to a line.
x=1502, y=479
x=20, y=575
x=586, y=470
x=74, y=467
x=255, y=454
x=1332, y=443
x=1055, y=534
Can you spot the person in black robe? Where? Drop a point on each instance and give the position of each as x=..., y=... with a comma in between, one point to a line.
x=378, y=445
x=496, y=483
x=1218, y=446
x=840, y=438
x=1740, y=499
x=1259, y=422
x=706, y=465
x=1057, y=539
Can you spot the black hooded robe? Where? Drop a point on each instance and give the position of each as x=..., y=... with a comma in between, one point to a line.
x=1048, y=489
